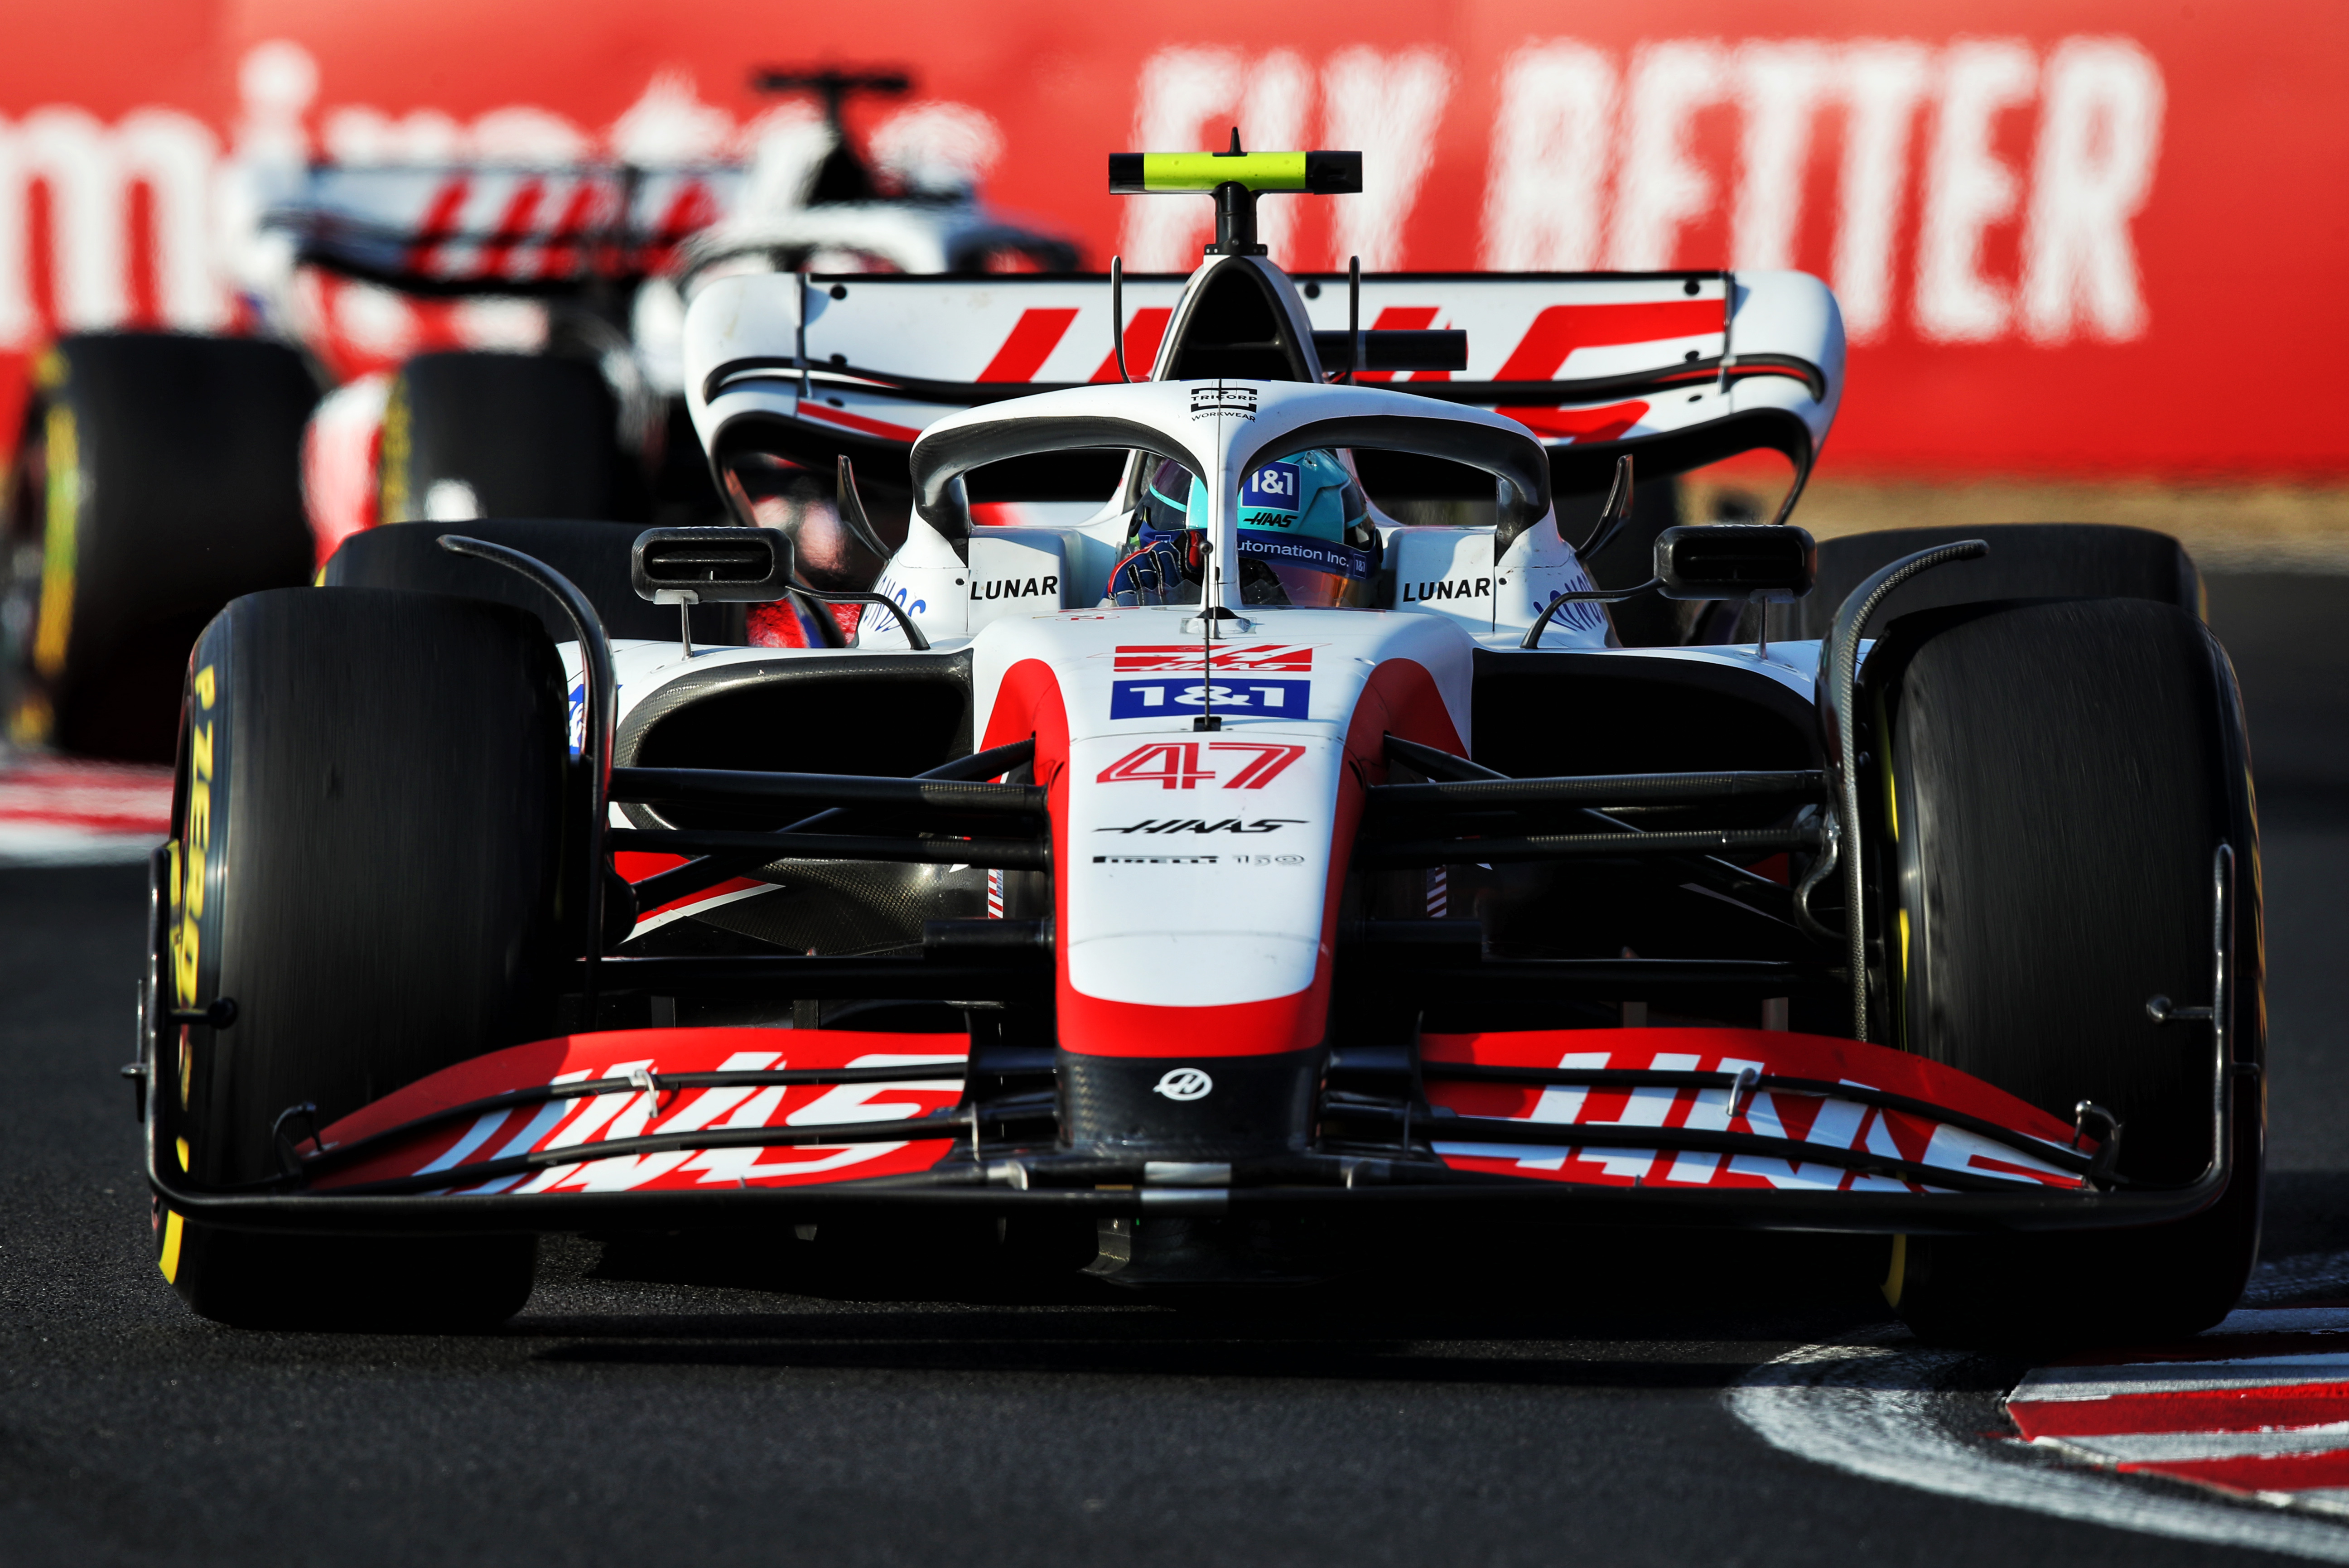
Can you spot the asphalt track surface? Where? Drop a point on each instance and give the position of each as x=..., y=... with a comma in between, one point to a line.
x=1502, y=1403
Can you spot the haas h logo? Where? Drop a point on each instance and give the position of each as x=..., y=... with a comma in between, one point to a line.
x=1184, y=1084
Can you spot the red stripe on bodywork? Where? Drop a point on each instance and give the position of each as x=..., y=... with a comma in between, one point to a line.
x=635, y=864
x=732, y=885
x=1401, y=697
x=1578, y=424
x=847, y=421
x=1031, y=343
x=1560, y=330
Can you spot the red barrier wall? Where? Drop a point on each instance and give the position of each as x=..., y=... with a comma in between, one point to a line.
x=2071, y=236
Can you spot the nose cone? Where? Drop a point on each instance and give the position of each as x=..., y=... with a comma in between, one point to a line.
x=1189, y=1107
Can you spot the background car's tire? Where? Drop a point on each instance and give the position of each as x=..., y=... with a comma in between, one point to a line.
x=2060, y=777
x=369, y=831
x=2026, y=560
x=159, y=476
x=594, y=556
x=469, y=434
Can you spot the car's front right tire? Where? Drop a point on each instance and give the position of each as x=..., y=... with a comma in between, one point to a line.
x=2060, y=779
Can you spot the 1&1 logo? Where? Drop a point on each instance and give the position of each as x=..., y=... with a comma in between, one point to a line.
x=1257, y=699
x=1270, y=499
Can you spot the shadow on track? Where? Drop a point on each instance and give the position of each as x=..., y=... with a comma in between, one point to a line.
x=1589, y=1309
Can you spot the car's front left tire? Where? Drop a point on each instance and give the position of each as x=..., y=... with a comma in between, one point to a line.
x=367, y=866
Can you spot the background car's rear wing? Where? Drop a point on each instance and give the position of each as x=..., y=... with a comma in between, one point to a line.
x=495, y=229
x=1682, y=369
x=505, y=228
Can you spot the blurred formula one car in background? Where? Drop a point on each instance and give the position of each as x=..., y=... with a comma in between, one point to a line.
x=159, y=475
x=1238, y=877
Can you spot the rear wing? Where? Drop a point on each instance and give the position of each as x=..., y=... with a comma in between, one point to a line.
x=1681, y=368
x=549, y=229
x=466, y=229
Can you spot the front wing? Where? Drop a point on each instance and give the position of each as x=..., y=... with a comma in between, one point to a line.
x=1707, y=1126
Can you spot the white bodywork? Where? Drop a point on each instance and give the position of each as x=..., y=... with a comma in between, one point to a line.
x=1057, y=331
x=1197, y=868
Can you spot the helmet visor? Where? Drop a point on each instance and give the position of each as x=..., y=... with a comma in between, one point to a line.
x=1311, y=574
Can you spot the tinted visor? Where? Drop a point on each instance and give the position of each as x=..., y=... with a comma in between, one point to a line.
x=1312, y=574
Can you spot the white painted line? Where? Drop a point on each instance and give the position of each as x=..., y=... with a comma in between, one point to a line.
x=2053, y=1384
x=21, y=845
x=64, y=811
x=1869, y=1406
x=654, y=922
x=2284, y=1319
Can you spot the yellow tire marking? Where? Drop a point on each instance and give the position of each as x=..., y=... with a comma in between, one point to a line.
x=54, y=623
x=1897, y=1276
x=172, y=1228
x=392, y=458
x=183, y=1154
x=32, y=722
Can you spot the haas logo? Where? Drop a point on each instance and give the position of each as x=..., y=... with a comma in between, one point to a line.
x=1184, y=1084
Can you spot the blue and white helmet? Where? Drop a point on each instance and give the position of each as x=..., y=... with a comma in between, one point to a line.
x=1308, y=496
x=1304, y=537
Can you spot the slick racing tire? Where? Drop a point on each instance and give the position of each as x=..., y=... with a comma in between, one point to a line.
x=159, y=476
x=593, y=555
x=2063, y=776
x=504, y=435
x=2026, y=560
x=367, y=864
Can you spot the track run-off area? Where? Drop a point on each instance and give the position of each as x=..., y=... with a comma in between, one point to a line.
x=1613, y=1397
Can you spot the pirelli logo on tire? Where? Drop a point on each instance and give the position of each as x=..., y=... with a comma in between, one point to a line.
x=190, y=891
x=60, y=567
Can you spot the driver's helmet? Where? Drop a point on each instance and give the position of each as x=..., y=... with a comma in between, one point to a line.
x=1304, y=537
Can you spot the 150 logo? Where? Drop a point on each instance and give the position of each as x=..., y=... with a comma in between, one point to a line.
x=1177, y=764
x=1157, y=699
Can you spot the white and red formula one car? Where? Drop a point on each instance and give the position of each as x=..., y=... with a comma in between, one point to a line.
x=1239, y=876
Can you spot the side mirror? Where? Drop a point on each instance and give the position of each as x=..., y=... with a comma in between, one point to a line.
x=1765, y=561
x=712, y=565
